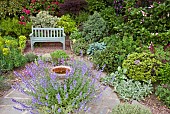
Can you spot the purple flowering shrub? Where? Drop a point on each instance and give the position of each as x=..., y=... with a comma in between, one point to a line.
x=51, y=96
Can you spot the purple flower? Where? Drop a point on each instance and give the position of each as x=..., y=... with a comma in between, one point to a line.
x=59, y=110
x=71, y=87
x=74, y=83
x=46, y=97
x=65, y=87
x=22, y=104
x=66, y=95
x=53, y=76
x=58, y=98
x=137, y=62
x=18, y=108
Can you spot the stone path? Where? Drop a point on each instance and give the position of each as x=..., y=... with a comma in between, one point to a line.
x=103, y=106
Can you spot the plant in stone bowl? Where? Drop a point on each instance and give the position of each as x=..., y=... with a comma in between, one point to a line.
x=50, y=96
x=58, y=56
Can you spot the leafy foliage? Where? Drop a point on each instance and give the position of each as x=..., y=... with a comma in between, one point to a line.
x=109, y=15
x=115, y=52
x=95, y=47
x=164, y=76
x=130, y=109
x=94, y=28
x=48, y=5
x=128, y=89
x=67, y=23
x=162, y=54
x=138, y=21
x=73, y=6
x=81, y=17
x=13, y=28
x=163, y=93
x=142, y=66
x=10, y=54
x=11, y=8
x=31, y=57
x=75, y=35
x=58, y=55
x=44, y=19
x=80, y=47
x=95, y=5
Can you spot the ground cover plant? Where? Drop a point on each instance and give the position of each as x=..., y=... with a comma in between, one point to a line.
x=130, y=109
x=127, y=89
x=49, y=95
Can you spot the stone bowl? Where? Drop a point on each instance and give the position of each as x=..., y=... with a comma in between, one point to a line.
x=61, y=71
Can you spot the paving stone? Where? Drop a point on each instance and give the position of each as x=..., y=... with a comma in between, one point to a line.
x=10, y=110
x=137, y=103
x=16, y=94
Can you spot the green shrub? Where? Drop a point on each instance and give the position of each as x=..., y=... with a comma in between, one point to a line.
x=162, y=54
x=164, y=76
x=75, y=35
x=95, y=5
x=12, y=27
x=11, y=8
x=58, y=55
x=82, y=17
x=31, y=57
x=10, y=54
x=44, y=19
x=95, y=47
x=67, y=23
x=109, y=15
x=130, y=109
x=127, y=89
x=142, y=66
x=138, y=21
x=163, y=93
x=48, y=5
x=94, y=28
x=80, y=47
x=115, y=52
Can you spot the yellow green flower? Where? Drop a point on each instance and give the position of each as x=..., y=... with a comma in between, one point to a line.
x=5, y=51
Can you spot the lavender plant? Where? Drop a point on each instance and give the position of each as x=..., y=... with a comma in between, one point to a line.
x=51, y=96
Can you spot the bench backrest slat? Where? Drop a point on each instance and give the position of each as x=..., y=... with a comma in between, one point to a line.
x=48, y=32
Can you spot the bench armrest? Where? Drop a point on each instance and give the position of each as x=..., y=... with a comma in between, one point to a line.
x=64, y=34
x=31, y=35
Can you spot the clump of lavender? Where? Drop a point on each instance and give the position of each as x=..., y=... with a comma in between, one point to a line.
x=51, y=96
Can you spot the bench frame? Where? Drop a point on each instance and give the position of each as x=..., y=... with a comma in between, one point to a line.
x=47, y=35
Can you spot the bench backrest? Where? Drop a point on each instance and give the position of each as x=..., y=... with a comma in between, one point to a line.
x=48, y=32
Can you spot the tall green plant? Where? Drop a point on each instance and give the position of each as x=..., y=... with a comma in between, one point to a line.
x=67, y=23
x=95, y=28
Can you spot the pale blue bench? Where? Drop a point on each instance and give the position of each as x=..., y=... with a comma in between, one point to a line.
x=47, y=35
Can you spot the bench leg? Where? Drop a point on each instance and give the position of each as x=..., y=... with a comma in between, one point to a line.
x=64, y=46
x=32, y=46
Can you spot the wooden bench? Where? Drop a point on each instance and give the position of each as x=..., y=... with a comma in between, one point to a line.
x=47, y=35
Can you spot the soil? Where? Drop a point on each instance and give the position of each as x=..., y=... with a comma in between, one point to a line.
x=156, y=106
